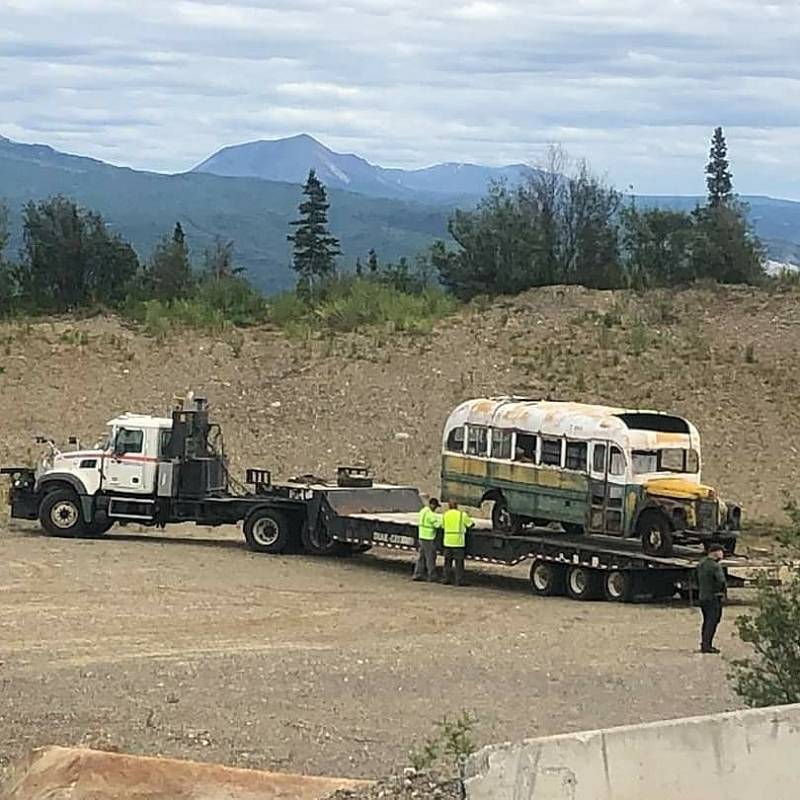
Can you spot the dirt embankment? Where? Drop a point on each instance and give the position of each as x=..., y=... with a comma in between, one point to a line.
x=726, y=358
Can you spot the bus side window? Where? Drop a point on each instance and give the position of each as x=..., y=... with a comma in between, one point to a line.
x=501, y=444
x=617, y=463
x=477, y=436
x=455, y=440
x=551, y=452
x=599, y=458
x=525, y=450
x=576, y=456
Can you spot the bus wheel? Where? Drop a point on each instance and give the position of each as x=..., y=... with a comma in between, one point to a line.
x=547, y=580
x=583, y=583
x=656, y=534
x=618, y=586
x=266, y=531
x=503, y=520
x=572, y=528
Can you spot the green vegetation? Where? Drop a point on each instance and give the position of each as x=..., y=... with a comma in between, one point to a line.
x=566, y=226
x=452, y=742
x=771, y=675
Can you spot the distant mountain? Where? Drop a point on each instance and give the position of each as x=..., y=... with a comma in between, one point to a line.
x=255, y=214
x=291, y=159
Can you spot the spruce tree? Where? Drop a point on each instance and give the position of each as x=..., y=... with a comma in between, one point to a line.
x=315, y=249
x=719, y=178
x=170, y=270
x=372, y=263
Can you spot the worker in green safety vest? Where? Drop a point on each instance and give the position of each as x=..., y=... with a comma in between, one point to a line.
x=455, y=523
x=429, y=524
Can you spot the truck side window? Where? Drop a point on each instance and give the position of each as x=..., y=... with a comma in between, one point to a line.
x=525, y=450
x=617, y=463
x=129, y=441
x=477, y=436
x=455, y=440
x=164, y=440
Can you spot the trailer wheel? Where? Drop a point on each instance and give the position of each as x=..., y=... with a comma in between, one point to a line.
x=547, y=579
x=618, y=586
x=319, y=542
x=583, y=583
x=100, y=525
x=60, y=514
x=656, y=534
x=266, y=531
x=573, y=528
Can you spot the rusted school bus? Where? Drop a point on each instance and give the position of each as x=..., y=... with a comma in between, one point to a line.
x=589, y=468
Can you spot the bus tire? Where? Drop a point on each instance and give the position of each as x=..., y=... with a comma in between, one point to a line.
x=60, y=514
x=266, y=531
x=656, y=534
x=618, y=586
x=547, y=579
x=502, y=519
x=583, y=583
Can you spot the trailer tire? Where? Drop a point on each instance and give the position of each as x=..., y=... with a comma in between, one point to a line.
x=656, y=534
x=266, y=531
x=319, y=543
x=60, y=514
x=100, y=525
x=583, y=583
x=618, y=586
x=573, y=528
x=547, y=579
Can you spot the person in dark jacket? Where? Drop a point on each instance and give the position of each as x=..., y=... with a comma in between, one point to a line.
x=712, y=587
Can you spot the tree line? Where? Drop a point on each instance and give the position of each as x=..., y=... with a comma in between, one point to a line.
x=563, y=225
x=70, y=259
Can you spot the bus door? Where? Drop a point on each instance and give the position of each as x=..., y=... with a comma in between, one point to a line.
x=607, y=489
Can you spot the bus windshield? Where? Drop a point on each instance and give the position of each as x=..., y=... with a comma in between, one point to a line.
x=667, y=460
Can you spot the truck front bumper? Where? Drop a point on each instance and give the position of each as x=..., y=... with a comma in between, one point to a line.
x=22, y=496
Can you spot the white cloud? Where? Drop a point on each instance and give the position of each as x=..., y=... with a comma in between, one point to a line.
x=633, y=86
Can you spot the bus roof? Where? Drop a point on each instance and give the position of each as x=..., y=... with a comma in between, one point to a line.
x=564, y=419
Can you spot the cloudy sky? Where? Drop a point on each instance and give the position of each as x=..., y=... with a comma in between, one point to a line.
x=635, y=86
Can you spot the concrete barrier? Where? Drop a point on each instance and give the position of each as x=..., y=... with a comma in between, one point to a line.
x=742, y=755
x=59, y=773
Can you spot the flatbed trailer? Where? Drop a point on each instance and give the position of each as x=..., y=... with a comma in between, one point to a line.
x=329, y=518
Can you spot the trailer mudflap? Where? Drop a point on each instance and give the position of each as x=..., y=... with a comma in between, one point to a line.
x=22, y=496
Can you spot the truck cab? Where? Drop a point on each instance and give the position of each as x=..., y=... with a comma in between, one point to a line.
x=139, y=472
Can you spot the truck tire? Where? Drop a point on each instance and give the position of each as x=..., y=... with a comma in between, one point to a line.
x=60, y=514
x=266, y=531
x=100, y=525
x=319, y=543
x=547, y=579
x=583, y=583
x=656, y=534
x=618, y=586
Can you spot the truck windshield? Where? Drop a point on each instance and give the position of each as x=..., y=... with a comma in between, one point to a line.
x=668, y=460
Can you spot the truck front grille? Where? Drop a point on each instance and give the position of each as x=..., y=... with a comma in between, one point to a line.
x=707, y=515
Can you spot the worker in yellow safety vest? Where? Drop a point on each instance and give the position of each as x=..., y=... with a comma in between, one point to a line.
x=429, y=523
x=455, y=523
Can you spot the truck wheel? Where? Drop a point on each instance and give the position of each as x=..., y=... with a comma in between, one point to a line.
x=266, y=531
x=99, y=525
x=656, y=534
x=618, y=586
x=319, y=542
x=583, y=583
x=547, y=580
x=60, y=514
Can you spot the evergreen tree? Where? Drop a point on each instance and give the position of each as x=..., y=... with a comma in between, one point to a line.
x=372, y=263
x=719, y=178
x=359, y=267
x=315, y=249
x=7, y=282
x=218, y=261
x=170, y=271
